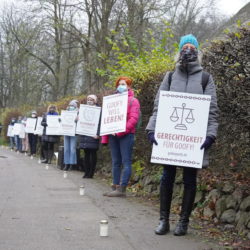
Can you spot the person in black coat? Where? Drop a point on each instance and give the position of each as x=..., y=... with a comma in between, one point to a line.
x=48, y=141
x=32, y=137
x=90, y=145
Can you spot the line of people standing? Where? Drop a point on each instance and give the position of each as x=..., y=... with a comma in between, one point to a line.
x=187, y=78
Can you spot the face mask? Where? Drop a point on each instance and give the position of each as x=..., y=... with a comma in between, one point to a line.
x=122, y=88
x=71, y=108
x=51, y=111
x=33, y=115
x=188, y=55
x=90, y=102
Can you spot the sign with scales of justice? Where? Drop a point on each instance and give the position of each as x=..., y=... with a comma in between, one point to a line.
x=176, y=118
x=181, y=127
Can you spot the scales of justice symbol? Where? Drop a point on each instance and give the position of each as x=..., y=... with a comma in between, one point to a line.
x=178, y=116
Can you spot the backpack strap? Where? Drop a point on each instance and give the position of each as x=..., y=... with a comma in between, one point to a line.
x=170, y=74
x=204, y=80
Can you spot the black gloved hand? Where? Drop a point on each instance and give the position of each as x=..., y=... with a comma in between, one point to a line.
x=151, y=138
x=207, y=143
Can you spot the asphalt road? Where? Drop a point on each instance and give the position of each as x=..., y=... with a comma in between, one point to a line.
x=39, y=209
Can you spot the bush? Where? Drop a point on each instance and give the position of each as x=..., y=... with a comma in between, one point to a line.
x=229, y=63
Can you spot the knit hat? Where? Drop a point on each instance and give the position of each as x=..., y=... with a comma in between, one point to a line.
x=94, y=97
x=188, y=39
x=74, y=103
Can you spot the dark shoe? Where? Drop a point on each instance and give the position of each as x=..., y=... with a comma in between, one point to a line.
x=46, y=157
x=113, y=187
x=85, y=176
x=163, y=227
x=44, y=161
x=186, y=209
x=120, y=191
x=66, y=168
x=70, y=167
x=181, y=228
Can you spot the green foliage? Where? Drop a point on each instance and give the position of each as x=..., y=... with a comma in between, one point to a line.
x=138, y=168
x=140, y=66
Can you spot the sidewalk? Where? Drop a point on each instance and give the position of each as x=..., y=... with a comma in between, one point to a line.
x=39, y=209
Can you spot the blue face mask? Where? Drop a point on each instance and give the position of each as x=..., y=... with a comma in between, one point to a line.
x=122, y=88
x=71, y=108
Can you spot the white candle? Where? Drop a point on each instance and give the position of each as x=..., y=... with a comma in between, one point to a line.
x=104, y=228
x=25, y=154
x=47, y=167
x=65, y=174
x=31, y=157
x=82, y=190
x=39, y=161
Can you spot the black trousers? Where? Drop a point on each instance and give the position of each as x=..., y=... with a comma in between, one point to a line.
x=48, y=145
x=90, y=161
x=32, y=143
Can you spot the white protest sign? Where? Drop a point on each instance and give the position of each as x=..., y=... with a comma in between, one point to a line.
x=39, y=127
x=22, y=131
x=114, y=113
x=88, y=120
x=30, y=125
x=68, y=124
x=181, y=127
x=54, y=126
x=17, y=129
x=9, y=132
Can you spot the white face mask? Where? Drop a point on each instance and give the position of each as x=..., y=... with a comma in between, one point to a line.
x=90, y=102
x=33, y=115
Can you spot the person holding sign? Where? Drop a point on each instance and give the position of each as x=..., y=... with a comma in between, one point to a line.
x=33, y=137
x=70, y=142
x=12, y=137
x=18, y=139
x=90, y=145
x=121, y=144
x=188, y=77
x=48, y=141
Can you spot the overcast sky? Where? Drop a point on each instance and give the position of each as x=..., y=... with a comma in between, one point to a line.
x=226, y=7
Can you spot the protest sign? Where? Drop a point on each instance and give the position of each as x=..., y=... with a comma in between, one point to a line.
x=9, y=132
x=39, y=127
x=54, y=126
x=68, y=124
x=88, y=120
x=30, y=125
x=114, y=113
x=181, y=127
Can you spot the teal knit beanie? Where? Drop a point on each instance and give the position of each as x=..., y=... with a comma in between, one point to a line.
x=188, y=39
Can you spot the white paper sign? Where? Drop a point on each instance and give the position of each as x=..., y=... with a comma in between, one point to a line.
x=30, y=125
x=39, y=127
x=68, y=124
x=114, y=113
x=181, y=127
x=9, y=132
x=54, y=126
x=88, y=120
x=17, y=129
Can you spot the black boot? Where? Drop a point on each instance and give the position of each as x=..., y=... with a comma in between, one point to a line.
x=45, y=160
x=186, y=209
x=165, y=204
x=66, y=168
x=87, y=171
x=70, y=167
x=50, y=156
